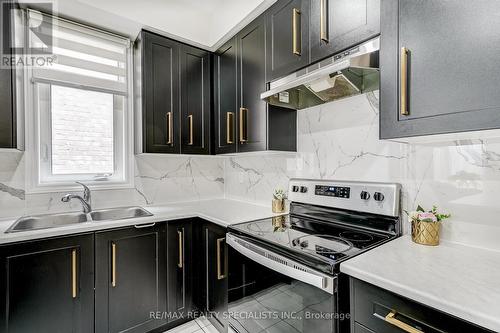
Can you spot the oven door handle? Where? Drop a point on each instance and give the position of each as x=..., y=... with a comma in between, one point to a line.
x=282, y=264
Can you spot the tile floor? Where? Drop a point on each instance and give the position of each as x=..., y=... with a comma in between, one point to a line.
x=199, y=325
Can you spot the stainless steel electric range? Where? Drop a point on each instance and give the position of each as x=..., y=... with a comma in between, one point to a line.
x=284, y=271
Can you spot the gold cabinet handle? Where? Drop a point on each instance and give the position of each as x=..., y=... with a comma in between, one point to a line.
x=243, y=125
x=113, y=264
x=190, y=120
x=73, y=274
x=404, y=82
x=220, y=274
x=391, y=319
x=323, y=21
x=296, y=32
x=170, y=136
x=229, y=127
x=180, y=264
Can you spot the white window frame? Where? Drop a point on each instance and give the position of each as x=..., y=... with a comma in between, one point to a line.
x=123, y=176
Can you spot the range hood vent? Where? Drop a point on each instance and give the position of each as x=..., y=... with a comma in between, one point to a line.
x=346, y=74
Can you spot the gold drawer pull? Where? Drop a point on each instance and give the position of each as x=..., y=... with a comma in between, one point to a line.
x=190, y=119
x=73, y=274
x=243, y=125
x=170, y=136
x=323, y=21
x=229, y=127
x=180, y=264
x=296, y=32
x=113, y=264
x=404, y=82
x=220, y=274
x=391, y=319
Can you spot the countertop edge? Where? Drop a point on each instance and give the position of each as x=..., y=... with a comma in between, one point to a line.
x=419, y=296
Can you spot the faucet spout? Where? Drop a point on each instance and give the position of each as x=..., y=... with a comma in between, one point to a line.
x=85, y=201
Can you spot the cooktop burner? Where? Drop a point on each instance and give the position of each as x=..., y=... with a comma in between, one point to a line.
x=356, y=236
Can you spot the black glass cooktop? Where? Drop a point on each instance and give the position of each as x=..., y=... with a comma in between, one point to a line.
x=325, y=241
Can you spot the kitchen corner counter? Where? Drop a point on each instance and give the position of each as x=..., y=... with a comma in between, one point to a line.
x=220, y=211
x=460, y=280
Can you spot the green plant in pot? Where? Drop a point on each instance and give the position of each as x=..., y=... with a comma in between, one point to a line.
x=279, y=196
x=425, y=225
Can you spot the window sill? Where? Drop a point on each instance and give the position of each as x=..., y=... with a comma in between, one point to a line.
x=72, y=187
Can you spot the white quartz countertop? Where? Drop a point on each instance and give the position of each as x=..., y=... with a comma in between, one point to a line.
x=457, y=279
x=221, y=211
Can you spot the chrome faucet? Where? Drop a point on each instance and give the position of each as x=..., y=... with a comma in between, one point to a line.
x=86, y=201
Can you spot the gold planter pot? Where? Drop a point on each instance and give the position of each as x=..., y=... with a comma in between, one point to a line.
x=425, y=233
x=278, y=206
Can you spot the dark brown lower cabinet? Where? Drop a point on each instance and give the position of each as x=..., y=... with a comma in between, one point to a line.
x=47, y=286
x=210, y=271
x=131, y=281
x=180, y=270
x=375, y=310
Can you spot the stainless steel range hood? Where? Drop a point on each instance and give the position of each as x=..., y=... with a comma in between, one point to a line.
x=349, y=73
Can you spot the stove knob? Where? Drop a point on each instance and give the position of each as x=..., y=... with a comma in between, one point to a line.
x=378, y=196
x=365, y=195
x=303, y=189
x=295, y=188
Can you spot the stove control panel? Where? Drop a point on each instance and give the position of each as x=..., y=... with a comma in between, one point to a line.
x=333, y=191
x=369, y=197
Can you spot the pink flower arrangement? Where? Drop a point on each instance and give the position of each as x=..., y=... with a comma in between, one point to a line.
x=431, y=216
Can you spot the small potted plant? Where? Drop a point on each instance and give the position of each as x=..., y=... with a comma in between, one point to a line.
x=279, y=197
x=425, y=225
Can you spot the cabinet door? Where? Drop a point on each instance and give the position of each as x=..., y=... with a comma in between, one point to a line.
x=216, y=273
x=436, y=73
x=130, y=279
x=339, y=24
x=48, y=286
x=195, y=100
x=7, y=113
x=179, y=259
x=252, y=113
x=287, y=37
x=160, y=94
x=226, y=98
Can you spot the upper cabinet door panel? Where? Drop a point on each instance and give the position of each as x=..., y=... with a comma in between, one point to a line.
x=252, y=114
x=226, y=98
x=161, y=94
x=339, y=24
x=437, y=60
x=287, y=37
x=195, y=100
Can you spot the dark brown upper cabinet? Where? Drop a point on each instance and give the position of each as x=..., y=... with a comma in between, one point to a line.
x=8, y=125
x=175, y=96
x=287, y=37
x=160, y=94
x=195, y=100
x=252, y=111
x=48, y=285
x=437, y=69
x=225, y=97
x=244, y=122
x=337, y=25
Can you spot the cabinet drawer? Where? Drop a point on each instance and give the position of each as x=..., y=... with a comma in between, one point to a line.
x=358, y=328
x=371, y=306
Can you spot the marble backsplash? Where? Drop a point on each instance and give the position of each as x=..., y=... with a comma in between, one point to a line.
x=159, y=179
x=338, y=141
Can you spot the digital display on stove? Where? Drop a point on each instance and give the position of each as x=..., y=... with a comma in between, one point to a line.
x=333, y=191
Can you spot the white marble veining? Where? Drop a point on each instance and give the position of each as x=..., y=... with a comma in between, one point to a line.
x=459, y=280
x=220, y=211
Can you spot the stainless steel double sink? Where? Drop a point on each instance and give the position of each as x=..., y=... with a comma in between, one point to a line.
x=46, y=221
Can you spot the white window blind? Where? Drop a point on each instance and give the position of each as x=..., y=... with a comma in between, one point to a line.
x=84, y=57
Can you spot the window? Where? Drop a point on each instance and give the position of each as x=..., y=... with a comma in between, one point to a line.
x=80, y=107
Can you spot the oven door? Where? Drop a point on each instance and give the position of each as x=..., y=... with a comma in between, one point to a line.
x=271, y=293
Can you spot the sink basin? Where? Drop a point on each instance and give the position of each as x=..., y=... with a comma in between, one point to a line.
x=35, y=222
x=119, y=213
